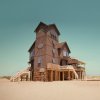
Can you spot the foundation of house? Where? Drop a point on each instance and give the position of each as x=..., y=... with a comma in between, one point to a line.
x=54, y=72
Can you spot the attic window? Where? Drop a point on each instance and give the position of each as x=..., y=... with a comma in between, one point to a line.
x=53, y=35
x=42, y=30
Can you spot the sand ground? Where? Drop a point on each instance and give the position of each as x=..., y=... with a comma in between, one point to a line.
x=60, y=90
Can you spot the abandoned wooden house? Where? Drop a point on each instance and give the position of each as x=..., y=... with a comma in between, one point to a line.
x=50, y=60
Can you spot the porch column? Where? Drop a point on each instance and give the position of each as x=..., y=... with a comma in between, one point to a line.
x=55, y=75
x=59, y=75
x=63, y=75
x=83, y=74
x=72, y=75
x=80, y=74
x=68, y=74
x=51, y=75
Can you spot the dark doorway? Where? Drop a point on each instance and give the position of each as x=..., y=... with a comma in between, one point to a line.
x=49, y=75
x=61, y=76
x=53, y=75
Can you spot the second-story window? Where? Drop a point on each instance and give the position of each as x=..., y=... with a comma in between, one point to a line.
x=39, y=61
x=53, y=60
x=65, y=53
x=53, y=52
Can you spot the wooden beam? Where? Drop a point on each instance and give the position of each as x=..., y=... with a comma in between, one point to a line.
x=68, y=74
x=51, y=75
x=59, y=75
x=63, y=75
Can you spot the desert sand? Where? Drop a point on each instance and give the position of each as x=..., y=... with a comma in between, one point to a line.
x=59, y=90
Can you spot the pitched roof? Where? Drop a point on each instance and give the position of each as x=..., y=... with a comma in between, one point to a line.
x=46, y=27
x=60, y=45
x=75, y=61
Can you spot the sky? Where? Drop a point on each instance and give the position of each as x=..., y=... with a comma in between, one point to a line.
x=77, y=20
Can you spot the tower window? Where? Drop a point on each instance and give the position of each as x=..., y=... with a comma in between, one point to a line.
x=39, y=61
x=53, y=61
x=53, y=44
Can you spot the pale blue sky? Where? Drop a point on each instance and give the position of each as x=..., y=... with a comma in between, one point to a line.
x=77, y=20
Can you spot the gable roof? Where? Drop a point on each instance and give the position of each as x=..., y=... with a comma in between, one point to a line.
x=46, y=27
x=60, y=45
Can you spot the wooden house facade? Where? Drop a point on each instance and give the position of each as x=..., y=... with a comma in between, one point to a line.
x=49, y=60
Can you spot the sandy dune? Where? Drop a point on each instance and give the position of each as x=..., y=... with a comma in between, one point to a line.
x=61, y=90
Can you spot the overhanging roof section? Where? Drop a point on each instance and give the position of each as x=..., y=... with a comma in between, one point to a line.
x=46, y=27
x=75, y=61
x=60, y=45
x=31, y=47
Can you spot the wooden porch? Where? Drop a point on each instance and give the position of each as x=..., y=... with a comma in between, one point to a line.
x=60, y=73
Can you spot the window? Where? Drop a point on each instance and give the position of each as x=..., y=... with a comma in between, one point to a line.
x=39, y=61
x=42, y=30
x=53, y=35
x=53, y=61
x=53, y=44
x=53, y=52
x=65, y=53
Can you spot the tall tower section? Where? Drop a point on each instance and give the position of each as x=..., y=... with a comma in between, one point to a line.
x=45, y=49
